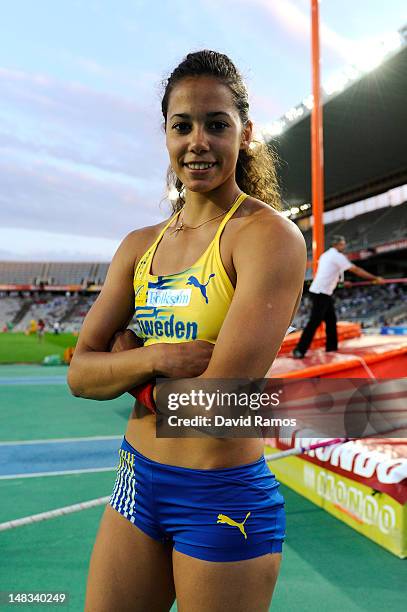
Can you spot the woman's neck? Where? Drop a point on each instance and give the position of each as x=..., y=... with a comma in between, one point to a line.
x=200, y=207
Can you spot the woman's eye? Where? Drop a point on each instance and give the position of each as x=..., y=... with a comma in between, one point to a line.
x=181, y=127
x=218, y=125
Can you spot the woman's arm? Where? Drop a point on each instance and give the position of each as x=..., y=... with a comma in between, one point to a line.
x=97, y=373
x=270, y=261
x=94, y=372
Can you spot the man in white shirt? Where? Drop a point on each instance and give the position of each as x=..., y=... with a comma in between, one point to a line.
x=331, y=267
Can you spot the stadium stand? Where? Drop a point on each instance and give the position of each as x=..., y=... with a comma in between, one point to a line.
x=68, y=310
x=49, y=309
x=371, y=306
x=74, y=319
x=57, y=273
x=367, y=230
x=9, y=307
x=364, y=140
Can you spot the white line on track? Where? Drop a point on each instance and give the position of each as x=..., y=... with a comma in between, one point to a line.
x=53, y=440
x=60, y=473
x=43, y=516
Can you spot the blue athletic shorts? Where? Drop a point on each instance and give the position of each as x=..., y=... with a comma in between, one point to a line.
x=226, y=514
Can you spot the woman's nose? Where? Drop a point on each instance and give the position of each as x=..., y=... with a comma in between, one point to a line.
x=199, y=141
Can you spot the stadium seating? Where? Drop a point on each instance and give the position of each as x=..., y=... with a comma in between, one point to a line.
x=69, y=311
x=368, y=230
x=56, y=273
x=9, y=306
x=371, y=306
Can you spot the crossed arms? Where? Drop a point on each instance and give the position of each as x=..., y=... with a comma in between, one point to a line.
x=269, y=257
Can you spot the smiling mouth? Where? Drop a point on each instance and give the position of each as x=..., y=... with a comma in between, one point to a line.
x=200, y=165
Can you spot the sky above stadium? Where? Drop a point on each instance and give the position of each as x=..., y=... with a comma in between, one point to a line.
x=82, y=151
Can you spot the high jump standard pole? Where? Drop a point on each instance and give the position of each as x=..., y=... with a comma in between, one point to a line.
x=317, y=147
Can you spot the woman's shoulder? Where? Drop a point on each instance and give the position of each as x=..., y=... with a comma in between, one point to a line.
x=269, y=237
x=138, y=241
x=258, y=218
x=147, y=233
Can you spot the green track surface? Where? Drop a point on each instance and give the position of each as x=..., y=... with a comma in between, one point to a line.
x=19, y=348
x=32, y=412
x=326, y=567
x=25, y=496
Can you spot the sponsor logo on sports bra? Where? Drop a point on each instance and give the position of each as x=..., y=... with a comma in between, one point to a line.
x=182, y=330
x=192, y=280
x=169, y=297
x=222, y=518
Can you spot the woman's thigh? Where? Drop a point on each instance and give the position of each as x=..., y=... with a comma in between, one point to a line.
x=128, y=570
x=241, y=586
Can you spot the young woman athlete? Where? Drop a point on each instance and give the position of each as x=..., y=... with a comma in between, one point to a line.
x=201, y=519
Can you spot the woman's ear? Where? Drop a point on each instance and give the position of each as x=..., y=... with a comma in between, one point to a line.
x=247, y=135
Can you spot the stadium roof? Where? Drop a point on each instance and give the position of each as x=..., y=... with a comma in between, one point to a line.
x=365, y=140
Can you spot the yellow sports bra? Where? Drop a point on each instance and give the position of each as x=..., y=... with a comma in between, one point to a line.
x=189, y=305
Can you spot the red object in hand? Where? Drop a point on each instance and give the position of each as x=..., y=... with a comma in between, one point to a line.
x=144, y=394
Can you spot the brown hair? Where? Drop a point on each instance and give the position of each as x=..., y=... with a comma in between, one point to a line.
x=256, y=166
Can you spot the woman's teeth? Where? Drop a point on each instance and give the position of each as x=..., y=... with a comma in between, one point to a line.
x=200, y=165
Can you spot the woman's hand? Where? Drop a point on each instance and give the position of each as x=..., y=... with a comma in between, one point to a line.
x=124, y=340
x=180, y=360
x=184, y=359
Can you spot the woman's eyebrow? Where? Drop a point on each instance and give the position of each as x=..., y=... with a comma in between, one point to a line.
x=211, y=114
x=217, y=113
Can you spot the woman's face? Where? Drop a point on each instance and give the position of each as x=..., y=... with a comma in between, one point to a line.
x=204, y=133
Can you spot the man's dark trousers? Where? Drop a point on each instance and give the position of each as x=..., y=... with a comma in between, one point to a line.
x=322, y=310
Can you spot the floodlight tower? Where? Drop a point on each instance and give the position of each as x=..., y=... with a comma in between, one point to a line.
x=317, y=147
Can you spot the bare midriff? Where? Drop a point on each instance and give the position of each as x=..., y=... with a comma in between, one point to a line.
x=197, y=453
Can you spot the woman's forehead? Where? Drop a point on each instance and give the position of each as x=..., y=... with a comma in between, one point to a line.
x=199, y=93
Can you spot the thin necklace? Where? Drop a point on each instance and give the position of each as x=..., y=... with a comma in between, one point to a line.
x=182, y=225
